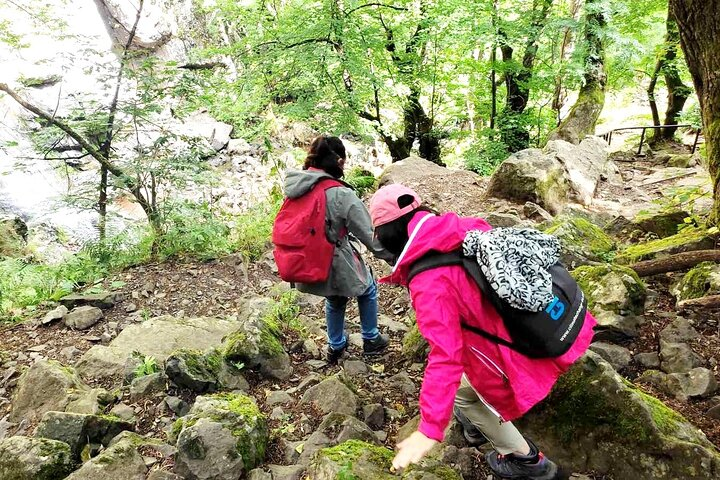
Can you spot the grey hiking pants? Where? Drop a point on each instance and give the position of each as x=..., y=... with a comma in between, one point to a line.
x=503, y=436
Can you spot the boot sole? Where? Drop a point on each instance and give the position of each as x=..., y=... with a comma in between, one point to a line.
x=550, y=475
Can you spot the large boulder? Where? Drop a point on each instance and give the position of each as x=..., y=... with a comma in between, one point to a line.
x=223, y=437
x=49, y=386
x=441, y=188
x=552, y=176
x=594, y=420
x=616, y=295
x=79, y=430
x=581, y=241
x=153, y=30
x=158, y=337
x=23, y=458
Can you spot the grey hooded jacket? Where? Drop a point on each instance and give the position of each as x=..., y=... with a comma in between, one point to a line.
x=349, y=276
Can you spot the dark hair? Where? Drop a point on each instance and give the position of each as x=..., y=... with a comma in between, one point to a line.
x=394, y=235
x=325, y=153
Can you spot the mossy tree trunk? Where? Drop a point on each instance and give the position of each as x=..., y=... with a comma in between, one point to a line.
x=583, y=116
x=699, y=28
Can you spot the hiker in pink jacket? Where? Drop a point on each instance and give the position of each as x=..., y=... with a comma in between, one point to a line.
x=487, y=384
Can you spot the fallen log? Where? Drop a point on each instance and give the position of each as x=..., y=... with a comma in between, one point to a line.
x=711, y=301
x=674, y=263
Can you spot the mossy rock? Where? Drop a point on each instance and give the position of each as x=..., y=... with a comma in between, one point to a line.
x=662, y=224
x=594, y=420
x=24, y=458
x=702, y=280
x=50, y=386
x=233, y=418
x=612, y=288
x=531, y=176
x=78, y=430
x=121, y=461
x=414, y=346
x=357, y=460
x=688, y=239
x=39, y=82
x=352, y=460
x=12, y=237
x=581, y=240
x=257, y=343
x=195, y=370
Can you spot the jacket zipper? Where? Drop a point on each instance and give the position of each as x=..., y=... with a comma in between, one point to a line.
x=493, y=366
x=490, y=364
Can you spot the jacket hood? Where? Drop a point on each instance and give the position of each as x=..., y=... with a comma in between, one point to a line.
x=299, y=182
x=428, y=232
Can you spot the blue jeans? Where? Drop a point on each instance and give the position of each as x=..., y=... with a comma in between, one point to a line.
x=335, y=316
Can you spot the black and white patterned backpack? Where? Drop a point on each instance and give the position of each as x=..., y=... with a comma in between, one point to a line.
x=547, y=333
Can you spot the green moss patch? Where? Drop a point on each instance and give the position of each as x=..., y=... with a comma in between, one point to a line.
x=611, y=287
x=702, y=280
x=237, y=413
x=687, y=238
x=579, y=234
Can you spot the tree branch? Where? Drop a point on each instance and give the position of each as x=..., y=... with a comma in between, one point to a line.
x=93, y=151
x=375, y=4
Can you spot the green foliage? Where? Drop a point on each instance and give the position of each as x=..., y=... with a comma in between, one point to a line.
x=284, y=312
x=361, y=180
x=194, y=230
x=148, y=366
x=692, y=116
x=486, y=153
x=251, y=231
x=24, y=283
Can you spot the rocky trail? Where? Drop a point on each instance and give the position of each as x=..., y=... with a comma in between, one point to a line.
x=218, y=367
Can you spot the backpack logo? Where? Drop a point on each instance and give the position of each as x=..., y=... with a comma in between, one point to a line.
x=556, y=309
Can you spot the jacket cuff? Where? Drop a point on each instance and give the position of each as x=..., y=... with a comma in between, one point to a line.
x=431, y=431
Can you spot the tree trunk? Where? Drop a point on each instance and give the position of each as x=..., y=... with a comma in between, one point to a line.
x=675, y=263
x=699, y=28
x=512, y=130
x=558, y=95
x=102, y=203
x=678, y=92
x=651, y=95
x=583, y=116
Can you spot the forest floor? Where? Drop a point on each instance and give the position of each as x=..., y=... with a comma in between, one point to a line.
x=214, y=288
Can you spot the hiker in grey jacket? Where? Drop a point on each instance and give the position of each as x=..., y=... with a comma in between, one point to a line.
x=349, y=276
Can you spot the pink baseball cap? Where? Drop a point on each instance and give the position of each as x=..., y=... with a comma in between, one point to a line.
x=384, y=206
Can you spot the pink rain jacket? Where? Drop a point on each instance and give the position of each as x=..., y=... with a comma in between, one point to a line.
x=509, y=382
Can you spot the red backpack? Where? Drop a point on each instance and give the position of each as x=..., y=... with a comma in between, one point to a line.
x=303, y=253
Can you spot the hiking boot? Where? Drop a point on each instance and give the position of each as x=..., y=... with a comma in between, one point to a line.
x=333, y=355
x=533, y=466
x=376, y=345
x=473, y=436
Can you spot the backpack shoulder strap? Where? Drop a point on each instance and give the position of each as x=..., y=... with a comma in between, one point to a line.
x=436, y=259
x=327, y=183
